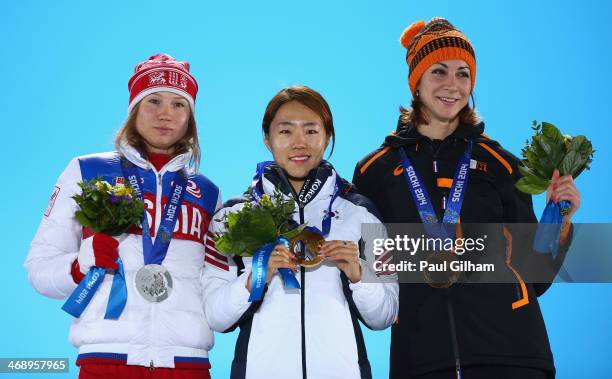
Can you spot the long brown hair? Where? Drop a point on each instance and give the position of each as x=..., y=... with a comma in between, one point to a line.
x=307, y=97
x=415, y=115
x=188, y=142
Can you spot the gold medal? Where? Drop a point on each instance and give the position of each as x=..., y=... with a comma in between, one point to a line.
x=306, y=247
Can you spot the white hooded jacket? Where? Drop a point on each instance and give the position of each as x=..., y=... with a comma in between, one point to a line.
x=147, y=334
x=312, y=331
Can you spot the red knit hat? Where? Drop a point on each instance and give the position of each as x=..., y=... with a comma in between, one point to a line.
x=433, y=42
x=160, y=73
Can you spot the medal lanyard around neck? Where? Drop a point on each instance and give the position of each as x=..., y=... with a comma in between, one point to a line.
x=421, y=198
x=154, y=253
x=326, y=222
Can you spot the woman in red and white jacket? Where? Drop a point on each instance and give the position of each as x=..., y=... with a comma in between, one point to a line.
x=169, y=335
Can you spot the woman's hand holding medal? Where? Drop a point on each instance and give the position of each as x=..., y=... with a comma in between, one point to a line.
x=344, y=253
x=346, y=256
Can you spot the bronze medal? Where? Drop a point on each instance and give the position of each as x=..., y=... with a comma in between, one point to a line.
x=441, y=275
x=306, y=247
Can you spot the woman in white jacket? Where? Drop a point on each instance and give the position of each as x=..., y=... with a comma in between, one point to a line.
x=312, y=331
x=161, y=336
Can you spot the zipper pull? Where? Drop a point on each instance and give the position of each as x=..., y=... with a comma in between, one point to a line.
x=151, y=366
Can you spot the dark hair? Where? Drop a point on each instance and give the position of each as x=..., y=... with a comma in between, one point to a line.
x=307, y=97
x=188, y=142
x=415, y=115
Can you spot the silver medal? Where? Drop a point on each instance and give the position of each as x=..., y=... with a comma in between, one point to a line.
x=153, y=283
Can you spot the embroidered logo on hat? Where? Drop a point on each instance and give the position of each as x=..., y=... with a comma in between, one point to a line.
x=157, y=78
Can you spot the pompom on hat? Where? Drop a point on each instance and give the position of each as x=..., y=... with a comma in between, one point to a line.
x=435, y=41
x=161, y=72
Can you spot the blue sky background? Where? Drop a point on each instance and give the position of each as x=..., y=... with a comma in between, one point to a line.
x=65, y=67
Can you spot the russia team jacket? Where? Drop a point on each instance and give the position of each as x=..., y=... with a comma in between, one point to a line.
x=313, y=331
x=166, y=334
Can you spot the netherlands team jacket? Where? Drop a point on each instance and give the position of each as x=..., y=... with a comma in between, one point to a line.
x=148, y=334
x=490, y=324
x=313, y=331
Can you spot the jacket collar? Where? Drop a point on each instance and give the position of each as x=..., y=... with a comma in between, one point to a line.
x=177, y=163
x=406, y=135
x=319, y=184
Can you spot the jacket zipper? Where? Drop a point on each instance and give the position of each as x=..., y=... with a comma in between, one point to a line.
x=302, y=303
x=451, y=314
x=451, y=318
x=434, y=163
x=158, y=197
x=302, y=275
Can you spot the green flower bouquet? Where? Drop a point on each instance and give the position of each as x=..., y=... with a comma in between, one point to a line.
x=550, y=150
x=258, y=223
x=107, y=209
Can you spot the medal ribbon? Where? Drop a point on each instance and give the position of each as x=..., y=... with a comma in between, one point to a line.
x=82, y=295
x=261, y=167
x=549, y=229
x=260, y=266
x=421, y=198
x=118, y=294
x=154, y=253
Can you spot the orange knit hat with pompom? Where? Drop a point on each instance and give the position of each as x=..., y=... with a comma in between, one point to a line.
x=432, y=42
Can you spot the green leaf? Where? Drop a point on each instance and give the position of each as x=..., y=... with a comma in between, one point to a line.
x=232, y=220
x=571, y=163
x=537, y=180
x=533, y=163
x=262, y=226
x=582, y=146
x=551, y=131
x=223, y=245
x=88, y=209
x=83, y=220
x=544, y=167
x=524, y=185
x=542, y=142
x=535, y=146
